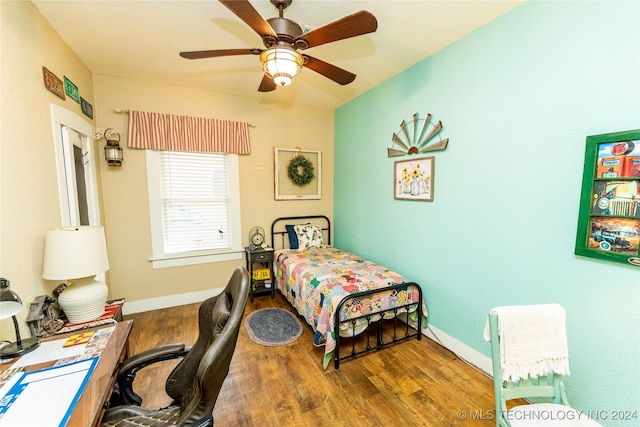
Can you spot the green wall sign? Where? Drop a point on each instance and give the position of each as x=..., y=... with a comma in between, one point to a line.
x=71, y=90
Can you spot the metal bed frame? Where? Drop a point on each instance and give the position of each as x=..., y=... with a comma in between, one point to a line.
x=400, y=332
x=379, y=338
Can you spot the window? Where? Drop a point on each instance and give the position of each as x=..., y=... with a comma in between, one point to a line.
x=194, y=203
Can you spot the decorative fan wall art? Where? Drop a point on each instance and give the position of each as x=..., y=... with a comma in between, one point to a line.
x=417, y=137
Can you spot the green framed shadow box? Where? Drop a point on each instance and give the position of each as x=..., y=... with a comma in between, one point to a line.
x=609, y=218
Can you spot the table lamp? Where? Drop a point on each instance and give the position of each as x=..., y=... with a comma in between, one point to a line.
x=76, y=255
x=10, y=305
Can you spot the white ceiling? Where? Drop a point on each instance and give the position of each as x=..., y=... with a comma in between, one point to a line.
x=141, y=39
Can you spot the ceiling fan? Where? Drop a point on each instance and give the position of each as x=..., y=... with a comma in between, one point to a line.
x=283, y=38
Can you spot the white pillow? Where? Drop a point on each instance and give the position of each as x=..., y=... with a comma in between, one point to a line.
x=309, y=236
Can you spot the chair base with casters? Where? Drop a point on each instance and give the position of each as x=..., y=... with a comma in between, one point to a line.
x=548, y=387
x=194, y=384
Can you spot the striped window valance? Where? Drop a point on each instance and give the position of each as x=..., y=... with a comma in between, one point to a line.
x=168, y=132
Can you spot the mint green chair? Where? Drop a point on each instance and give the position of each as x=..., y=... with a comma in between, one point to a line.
x=555, y=411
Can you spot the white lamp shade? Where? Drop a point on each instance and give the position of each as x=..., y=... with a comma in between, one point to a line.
x=281, y=64
x=10, y=308
x=76, y=252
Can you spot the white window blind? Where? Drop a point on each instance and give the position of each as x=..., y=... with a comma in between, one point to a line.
x=195, y=202
x=194, y=207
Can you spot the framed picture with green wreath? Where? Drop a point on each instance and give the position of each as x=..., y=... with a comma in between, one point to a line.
x=609, y=218
x=298, y=174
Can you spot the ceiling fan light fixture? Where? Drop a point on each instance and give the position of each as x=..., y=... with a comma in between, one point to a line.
x=282, y=80
x=281, y=64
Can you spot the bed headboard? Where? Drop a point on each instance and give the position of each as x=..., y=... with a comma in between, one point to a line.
x=279, y=236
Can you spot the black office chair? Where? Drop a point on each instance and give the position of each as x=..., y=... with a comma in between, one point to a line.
x=194, y=384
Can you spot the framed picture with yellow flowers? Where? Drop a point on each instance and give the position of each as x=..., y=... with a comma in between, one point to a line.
x=413, y=179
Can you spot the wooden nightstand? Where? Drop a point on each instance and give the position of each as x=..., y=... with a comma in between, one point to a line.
x=262, y=276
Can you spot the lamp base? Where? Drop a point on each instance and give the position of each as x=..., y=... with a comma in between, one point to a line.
x=12, y=350
x=83, y=301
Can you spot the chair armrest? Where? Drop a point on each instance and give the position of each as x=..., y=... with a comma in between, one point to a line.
x=123, y=392
x=153, y=355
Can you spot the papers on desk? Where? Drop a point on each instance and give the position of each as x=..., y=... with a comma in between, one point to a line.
x=55, y=350
x=44, y=398
x=47, y=397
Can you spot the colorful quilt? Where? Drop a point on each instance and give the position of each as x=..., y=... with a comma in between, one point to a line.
x=315, y=280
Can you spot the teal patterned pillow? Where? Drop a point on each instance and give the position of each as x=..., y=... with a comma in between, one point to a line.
x=309, y=236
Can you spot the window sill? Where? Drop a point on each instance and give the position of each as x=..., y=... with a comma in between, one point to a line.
x=168, y=261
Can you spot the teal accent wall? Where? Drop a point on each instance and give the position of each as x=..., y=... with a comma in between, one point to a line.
x=517, y=99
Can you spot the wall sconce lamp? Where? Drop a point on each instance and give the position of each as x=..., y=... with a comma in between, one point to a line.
x=10, y=305
x=281, y=64
x=112, y=151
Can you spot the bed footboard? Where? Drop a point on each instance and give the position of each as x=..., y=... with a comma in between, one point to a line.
x=375, y=338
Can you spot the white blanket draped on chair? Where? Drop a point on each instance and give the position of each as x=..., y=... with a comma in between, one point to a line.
x=533, y=341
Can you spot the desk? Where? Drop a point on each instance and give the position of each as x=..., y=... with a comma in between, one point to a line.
x=92, y=402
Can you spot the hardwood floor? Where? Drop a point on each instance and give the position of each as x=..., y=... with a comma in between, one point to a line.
x=415, y=383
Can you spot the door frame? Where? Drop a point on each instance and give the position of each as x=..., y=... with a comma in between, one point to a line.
x=64, y=166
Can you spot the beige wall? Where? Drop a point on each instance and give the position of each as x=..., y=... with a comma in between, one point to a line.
x=29, y=203
x=125, y=189
x=28, y=187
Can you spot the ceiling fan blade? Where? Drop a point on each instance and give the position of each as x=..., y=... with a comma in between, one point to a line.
x=359, y=23
x=267, y=84
x=199, y=54
x=250, y=16
x=332, y=72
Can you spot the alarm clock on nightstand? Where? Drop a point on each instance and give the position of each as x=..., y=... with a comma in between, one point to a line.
x=256, y=238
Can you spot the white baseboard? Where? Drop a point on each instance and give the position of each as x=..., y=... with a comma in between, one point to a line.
x=168, y=301
x=460, y=349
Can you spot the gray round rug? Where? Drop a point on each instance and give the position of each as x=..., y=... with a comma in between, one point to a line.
x=272, y=327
